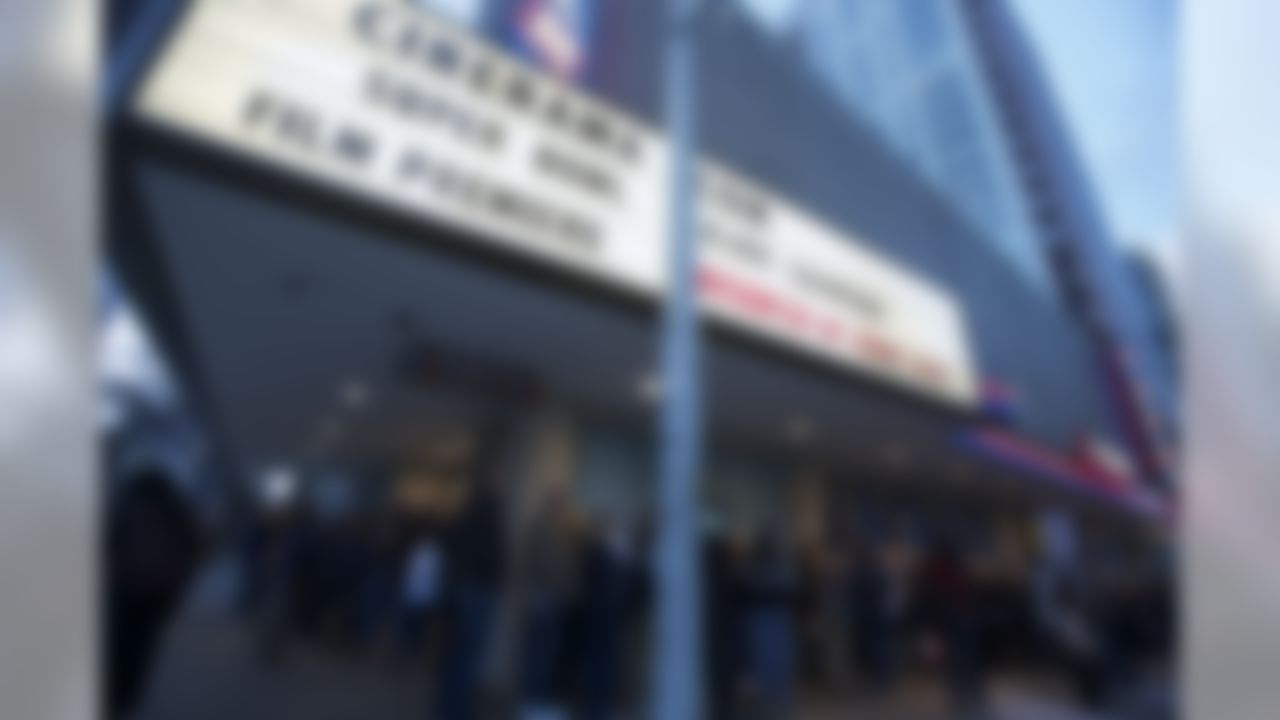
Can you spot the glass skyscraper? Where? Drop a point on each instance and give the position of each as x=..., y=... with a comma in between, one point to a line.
x=952, y=86
x=908, y=69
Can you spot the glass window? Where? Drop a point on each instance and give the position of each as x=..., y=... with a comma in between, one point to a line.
x=951, y=122
x=857, y=74
x=920, y=22
x=774, y=15
x=899, y=64
x=838, y=54
x=969, y=180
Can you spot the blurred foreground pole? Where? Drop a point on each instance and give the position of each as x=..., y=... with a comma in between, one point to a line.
x=677, y=669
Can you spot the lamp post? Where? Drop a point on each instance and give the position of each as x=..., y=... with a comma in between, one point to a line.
x=677, y=670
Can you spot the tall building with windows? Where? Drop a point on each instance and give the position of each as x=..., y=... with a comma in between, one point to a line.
x=955, y=89
x=407, y=261
x=1090, y=265
x=1159, y=332
x=459, y=207
x=909, y=68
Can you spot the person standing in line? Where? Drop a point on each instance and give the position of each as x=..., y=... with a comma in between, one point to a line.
x=550, y=581
x=380, y=588
x=421, y=589
x=153, y=549
x=356, y=559
x=1079, y=641
x=476, y=561
x=313, y=579
x=809, y=636
x=831, y=623
x=249, y=553
x=725, y=608
x=283, y=581
x=872, y=622
x=948, y=612
x=772, y=588
x=612, y=593
x=639, y=617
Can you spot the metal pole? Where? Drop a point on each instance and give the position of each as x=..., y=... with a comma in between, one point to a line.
x=677, y=670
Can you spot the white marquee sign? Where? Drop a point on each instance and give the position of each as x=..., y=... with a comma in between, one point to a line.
x=385, y=101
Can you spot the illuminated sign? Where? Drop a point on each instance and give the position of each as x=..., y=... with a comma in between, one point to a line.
x=394, y=105
x=769, y=268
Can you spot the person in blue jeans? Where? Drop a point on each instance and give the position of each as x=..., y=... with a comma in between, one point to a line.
x=472, y=614
x=772, y=591
x=475, y=565
x=947, y=609
x=614, y=574
x=549, y=563
x=420, y=590
x=872, y=621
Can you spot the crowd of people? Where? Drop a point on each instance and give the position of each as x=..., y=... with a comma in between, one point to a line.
x=776, y=618
x=435, y=593
x=862, y=615
x=548, y=615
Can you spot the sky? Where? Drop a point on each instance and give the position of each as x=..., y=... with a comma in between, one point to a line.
x=1113, y=65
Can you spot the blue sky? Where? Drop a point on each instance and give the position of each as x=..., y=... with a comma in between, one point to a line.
x=1113, y=64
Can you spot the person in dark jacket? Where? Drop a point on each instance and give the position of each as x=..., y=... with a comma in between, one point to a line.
x=283, y=581
x=871, y=618
x=612, y=579
x=947, y=611
x=153, y=549
x=475, y=566
x=548, y=569
x=772, y=591
x=723, y=625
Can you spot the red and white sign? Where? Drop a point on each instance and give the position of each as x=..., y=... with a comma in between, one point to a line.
x=773, y=269
x=1105, y=459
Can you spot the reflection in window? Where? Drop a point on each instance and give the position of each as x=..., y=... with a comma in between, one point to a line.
x=921, y=25
x=839, y=53
x=902, y=67
x=773, y=15
x=951, y=121
x=969, y=177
